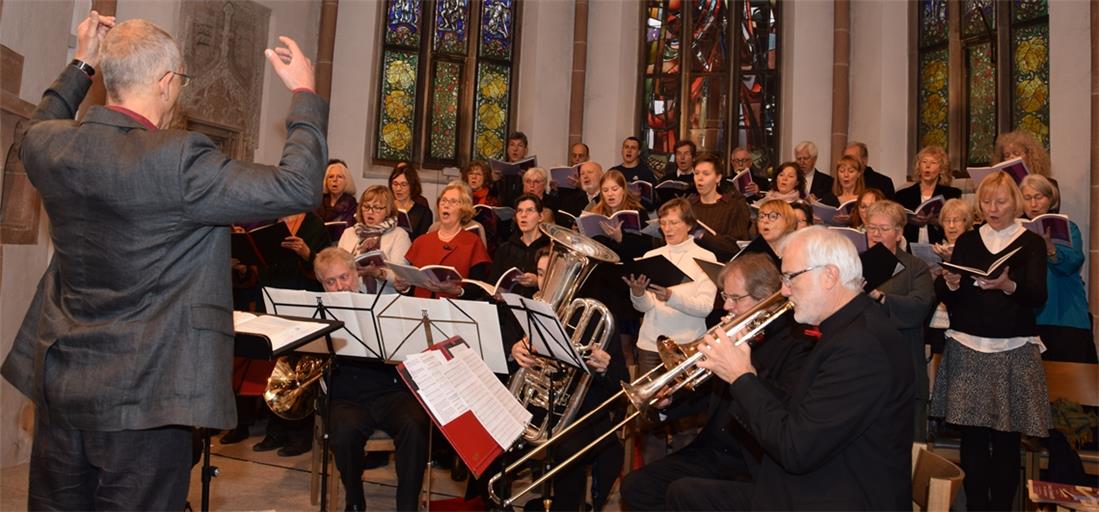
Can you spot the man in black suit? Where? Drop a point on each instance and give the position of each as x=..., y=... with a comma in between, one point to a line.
x=587, y=192
x=843, y=440
x=128, y=342
x=740, y=160
x=872, y=178
x=817, y=183
x=724, y=449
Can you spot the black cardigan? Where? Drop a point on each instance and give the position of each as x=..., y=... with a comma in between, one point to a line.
x=992, y=313
x=909, y=197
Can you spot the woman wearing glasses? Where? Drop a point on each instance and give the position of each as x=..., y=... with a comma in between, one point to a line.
x=907, y=297
x=408, y=194
x=376, y=229
x=775, y=220
x=450, y=243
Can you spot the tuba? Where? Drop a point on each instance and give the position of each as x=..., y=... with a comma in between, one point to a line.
x=588, y=323
x=292, y=387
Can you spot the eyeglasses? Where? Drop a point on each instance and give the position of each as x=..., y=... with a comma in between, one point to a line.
x=880, y=229
x=742, y=160
x=184, y=80
x=449, y=201
x=789, y=276
x=378, y=208
x=770, y=216
x=735, y=298
x=398, y=184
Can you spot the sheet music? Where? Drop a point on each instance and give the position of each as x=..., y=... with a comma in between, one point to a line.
x=428, y=370
x=391, y=327
x=544, y=330
x=491, y=402
x=280, y=331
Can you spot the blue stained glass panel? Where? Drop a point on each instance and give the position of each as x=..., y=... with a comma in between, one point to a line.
x=497, y=28
x=451, y=19
x=403, y=22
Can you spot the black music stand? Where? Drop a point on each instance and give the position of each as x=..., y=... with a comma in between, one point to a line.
x=252, y=346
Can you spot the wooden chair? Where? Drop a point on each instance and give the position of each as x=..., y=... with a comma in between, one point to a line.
x=935, y=480
x=1077, y=382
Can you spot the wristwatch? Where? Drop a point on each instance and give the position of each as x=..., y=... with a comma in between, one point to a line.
x=83, y=66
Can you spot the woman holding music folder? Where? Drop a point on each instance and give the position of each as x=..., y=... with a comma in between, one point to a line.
x=991, y=383
x=676, y=311
x=376, y=230
x=404, y=182
x=1063, y=322
x=849, y=183
x=726, y=216
x=519, y=250
x=907, y=297
x=450, y=244
x=931, y=172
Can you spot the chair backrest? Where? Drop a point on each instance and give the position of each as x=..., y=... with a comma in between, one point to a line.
x=1073, y=381
x=935, y=480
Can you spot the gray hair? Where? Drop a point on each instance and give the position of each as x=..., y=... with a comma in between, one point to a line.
x=332, y=256
x=806, y=145
x=540, y=171
x=823, y=246
x=1044, y=187
x=136, y=53
x=894, y=211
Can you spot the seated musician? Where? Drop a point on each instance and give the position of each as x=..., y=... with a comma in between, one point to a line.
x=368, y=395
x=843, y=438
x=608, y=370
x=724, y=449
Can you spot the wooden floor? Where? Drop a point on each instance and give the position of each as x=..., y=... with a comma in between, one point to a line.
x=262, y=481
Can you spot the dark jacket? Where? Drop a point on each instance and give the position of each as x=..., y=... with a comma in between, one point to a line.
x=875, y=179
x=133, y=317
x=822, y=184
x=909, y=197
x=843, y=440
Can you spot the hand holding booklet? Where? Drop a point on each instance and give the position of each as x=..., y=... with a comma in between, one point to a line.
x=1055, y=224
x=834, y=215
x=991, y=272
x=590, y=224
x=926, y=210
x=430, y=277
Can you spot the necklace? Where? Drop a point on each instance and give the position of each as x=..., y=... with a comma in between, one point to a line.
x=447, y=237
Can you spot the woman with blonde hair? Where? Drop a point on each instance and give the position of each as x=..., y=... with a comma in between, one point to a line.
x=338, y=202
x=775, y=220
x=931, y=174
x=991, y=383
x=376, y=229
x=848, y=184
x=450, y=243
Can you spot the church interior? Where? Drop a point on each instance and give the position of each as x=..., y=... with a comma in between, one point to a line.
x=440, y=83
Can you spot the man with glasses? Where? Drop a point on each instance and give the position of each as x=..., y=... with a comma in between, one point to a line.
x=843, y=438
x=724, y=449
x=128, y=342
x=741, y=160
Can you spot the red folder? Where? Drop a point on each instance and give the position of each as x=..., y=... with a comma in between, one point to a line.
x=466, y=434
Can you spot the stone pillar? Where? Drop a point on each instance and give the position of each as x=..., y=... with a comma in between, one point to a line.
x=1093, y=226
x=326, y=47
x=841, y=78
x=579, y=72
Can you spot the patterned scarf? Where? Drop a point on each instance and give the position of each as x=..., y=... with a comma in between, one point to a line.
x=363, y=232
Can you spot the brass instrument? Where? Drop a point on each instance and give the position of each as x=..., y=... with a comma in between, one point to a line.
x=572, y=258
x=680, y=365
x=291, y=392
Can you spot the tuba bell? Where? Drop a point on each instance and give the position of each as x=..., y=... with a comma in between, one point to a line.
x=292, y=388
x=588, y=323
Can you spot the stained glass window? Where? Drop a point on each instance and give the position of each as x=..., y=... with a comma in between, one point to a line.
x=710, y=74
x=428, y=59
x=985, y=26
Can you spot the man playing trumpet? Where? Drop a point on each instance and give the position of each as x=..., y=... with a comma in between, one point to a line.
x=724, y=449
x=843, y=438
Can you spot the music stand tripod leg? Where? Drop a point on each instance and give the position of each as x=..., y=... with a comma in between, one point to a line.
x=208, y=471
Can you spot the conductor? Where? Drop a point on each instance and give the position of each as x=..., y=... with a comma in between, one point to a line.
x=128, y=341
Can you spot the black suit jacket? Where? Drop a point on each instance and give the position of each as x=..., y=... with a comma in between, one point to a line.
x=844, y=439
x=875, y=179
x=909, y=197
x=822, y=184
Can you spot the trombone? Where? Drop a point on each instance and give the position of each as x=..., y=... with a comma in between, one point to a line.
x=680, y=365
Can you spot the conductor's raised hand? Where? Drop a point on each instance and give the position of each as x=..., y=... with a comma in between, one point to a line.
x=290, y=64
x=89, y=36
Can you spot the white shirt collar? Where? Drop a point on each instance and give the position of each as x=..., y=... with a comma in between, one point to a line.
x=995, y=241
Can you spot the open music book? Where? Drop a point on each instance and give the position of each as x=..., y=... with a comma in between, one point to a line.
x=742, y=180
x=514, y=168
x=560, y=176
x=1015, y=168
x=928, y=209
x=827, y=214
x=259, y=245
x=984, y=273
x=472, y=408
x=1055, y=223
x=276, y=330
x=589, y=223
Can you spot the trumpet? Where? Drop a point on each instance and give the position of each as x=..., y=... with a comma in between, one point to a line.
x=680, y=370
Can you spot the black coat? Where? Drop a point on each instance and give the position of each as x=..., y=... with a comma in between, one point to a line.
x=822, y=184
x=909, y=197
x=843, y=441
x=875, y=179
